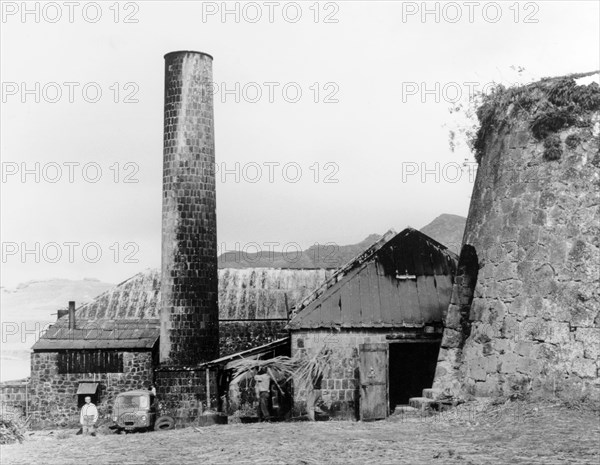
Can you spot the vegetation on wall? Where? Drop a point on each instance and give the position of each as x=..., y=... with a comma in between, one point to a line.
x=550, y=105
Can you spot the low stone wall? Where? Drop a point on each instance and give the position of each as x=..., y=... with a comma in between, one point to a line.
x=53, y=396
x=182, y=392
x=13, y=398
x=236, y=336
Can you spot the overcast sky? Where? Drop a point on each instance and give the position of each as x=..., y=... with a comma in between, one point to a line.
x=361, y=68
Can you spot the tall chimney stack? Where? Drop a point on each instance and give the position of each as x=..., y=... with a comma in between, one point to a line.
x=71, y=314
x=189, y=315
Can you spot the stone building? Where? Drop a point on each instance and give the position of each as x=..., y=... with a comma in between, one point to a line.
x=110, y=344
x=525, y=313
x=381, y=318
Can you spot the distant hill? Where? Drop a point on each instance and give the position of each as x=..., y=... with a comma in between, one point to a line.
x=448, y=230
x=322, y=256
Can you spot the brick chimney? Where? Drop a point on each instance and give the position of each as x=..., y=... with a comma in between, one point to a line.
x=189, y=316
x=71, y=314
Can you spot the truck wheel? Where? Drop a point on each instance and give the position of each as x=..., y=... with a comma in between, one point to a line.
x=164, y=423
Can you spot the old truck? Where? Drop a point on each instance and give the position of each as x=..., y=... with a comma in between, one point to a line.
x=138, y=411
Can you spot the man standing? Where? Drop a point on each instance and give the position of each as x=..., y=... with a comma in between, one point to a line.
x=88, y=417
x=262, y=385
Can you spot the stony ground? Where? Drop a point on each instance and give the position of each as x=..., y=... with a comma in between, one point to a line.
x=510, y=434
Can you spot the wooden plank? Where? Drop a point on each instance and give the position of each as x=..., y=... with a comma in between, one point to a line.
x=438, y=261
x=374, y=299
x=396, y=306
x=330, y=310
x=410, y=257
x=385, y=296
x=367, y=308
x=346, y=298
x=421, y=257
x=359, y=318
x=427, y=298
x=347, y=317
x=410, y=297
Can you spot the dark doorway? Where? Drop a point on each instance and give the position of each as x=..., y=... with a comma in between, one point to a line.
x=411, y=369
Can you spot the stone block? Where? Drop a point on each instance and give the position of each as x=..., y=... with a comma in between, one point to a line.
x=508, y=363
x=452, y=338
x=585, y=368
x=420, y=403
x=590, y=337
x=476, y=369
x=524, y=348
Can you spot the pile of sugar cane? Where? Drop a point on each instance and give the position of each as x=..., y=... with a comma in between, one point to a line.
x=11, y=431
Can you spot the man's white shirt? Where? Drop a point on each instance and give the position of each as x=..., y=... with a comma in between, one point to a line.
x=88, y=410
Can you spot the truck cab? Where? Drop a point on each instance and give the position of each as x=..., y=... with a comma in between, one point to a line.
x=134, y=410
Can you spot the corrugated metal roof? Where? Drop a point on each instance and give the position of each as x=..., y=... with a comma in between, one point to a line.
x=244, y=294
x=134, y=298
x=248, y=353
x=265, y=293
x=100, y=334
x=126, y=316
x=404, y=280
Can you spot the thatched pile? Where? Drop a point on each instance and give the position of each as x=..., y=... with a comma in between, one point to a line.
x=280, y=369
x=11, y=431
x=306, y=372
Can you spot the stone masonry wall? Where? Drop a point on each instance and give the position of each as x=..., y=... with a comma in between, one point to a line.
x=189, y=325
x=53, y=396
x=533, y=324
x=339, y=389
x=236, y=336
x=183, y=393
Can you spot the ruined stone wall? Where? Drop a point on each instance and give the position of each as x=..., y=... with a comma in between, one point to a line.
x=13, y=398
x=53, y=396
x=525, y=312
x=189, y=325
x=236, y=336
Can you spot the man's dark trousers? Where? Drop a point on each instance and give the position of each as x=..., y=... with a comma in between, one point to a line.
x=263, y=406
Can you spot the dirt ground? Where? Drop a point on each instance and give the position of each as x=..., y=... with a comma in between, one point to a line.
x=515, y=433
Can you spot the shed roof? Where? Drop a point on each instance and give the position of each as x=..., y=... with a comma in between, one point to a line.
x=403, y=280
x=249, y=353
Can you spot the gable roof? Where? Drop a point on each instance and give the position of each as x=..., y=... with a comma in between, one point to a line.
x=404, y=279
